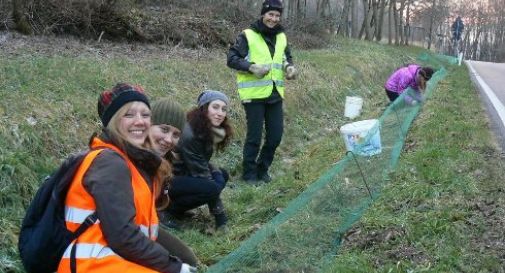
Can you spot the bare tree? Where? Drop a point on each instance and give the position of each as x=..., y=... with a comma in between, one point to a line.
x=391, y=23
x=343, y=24
x=365, y=27
x=432, y=17
x=400, y=22
x=380, y=21
x=407, y=24
x=396, y=23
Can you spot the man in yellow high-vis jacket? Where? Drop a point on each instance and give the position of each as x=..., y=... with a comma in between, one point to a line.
x=263, y=60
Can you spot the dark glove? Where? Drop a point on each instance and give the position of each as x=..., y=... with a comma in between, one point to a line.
x=259, y=70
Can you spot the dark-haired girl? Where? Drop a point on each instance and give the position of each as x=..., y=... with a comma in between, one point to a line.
x=413, y=76
x=207, y=130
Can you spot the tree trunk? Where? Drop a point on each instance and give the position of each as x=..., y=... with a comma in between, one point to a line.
x=374, y=19
x=343, y=26
x=390, y=21
x=366, y=20
x=380, y=22
x=430, y=34
x=395, y=16
x=19, y=16
x=407, y=24
x=354, y=19
x=475, y=44
x=400, y=25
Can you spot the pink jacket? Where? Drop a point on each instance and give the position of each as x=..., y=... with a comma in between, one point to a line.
x=403, y=78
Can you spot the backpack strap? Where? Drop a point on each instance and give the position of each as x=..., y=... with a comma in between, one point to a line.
x=89, y=221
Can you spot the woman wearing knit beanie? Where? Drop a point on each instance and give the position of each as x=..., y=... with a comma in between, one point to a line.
x=117, y=183
x=197, y=182
x=262, y=58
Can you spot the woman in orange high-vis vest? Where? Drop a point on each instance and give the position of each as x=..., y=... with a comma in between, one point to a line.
x=118, y=180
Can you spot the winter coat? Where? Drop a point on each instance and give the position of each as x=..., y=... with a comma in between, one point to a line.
x=108, y=181
x=402, y=79
x=195, y=153
x=238, y=52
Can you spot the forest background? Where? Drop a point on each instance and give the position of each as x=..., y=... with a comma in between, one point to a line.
x=442, y=210
x=211, y=23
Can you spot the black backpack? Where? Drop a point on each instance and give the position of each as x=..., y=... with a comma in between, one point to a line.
x=44, y=237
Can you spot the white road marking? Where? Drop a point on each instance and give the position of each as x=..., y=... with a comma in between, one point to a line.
x=498, y=106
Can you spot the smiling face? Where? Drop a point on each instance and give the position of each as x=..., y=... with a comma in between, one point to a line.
x=164, y=138
x=271, y=18
x=217, y=112
x=135, y=122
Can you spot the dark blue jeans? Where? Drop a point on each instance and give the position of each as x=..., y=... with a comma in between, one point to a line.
x=187, y=192
x=259, y=114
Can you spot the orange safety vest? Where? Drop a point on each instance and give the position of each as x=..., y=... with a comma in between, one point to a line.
x=92, y=251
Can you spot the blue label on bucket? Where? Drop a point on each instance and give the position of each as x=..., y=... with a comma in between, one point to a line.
x=372, y=147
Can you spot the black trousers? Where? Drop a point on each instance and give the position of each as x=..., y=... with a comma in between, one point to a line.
x=392, y=95
x=259, y=114
x=188, y=192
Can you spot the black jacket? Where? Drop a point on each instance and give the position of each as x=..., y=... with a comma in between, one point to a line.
x=195, y=154
x=239, y=51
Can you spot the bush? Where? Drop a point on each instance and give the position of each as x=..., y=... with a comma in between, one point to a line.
x=190, y=23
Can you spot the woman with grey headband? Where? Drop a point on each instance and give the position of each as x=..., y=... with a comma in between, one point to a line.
x=207, y=131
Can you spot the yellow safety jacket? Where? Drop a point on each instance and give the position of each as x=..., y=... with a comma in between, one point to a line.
x=250, y=87
x=93, y=253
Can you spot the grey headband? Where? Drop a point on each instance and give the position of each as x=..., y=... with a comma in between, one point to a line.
x=211, y=95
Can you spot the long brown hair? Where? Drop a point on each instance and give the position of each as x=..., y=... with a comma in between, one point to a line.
x=202, y=127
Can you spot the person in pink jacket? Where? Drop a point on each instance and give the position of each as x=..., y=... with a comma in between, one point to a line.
x=413, y=76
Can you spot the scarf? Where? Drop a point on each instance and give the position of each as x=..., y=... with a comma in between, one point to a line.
x=218, y=134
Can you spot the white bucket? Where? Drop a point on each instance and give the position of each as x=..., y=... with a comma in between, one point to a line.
x=355, y=134
x=353, y=106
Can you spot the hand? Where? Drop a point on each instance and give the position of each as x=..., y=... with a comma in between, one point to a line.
x=259, y=70
x=291, y=72
x=186, y=268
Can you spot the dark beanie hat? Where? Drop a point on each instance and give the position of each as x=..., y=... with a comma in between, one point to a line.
x=211, y=95
x=269, y=5
x=166, y=111
x=110, y=101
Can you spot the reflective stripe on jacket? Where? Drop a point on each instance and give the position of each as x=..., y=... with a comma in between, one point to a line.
x=92, y=252
x=250, y=87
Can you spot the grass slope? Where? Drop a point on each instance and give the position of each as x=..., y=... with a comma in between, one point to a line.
x=443, y=210
x=48, y=109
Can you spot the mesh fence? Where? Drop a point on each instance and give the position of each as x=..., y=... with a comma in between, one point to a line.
x=306, y=235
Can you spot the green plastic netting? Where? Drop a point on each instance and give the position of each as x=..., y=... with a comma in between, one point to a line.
x=329, y=207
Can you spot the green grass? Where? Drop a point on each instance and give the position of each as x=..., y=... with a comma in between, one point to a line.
x=433, y=217
x=48, y=110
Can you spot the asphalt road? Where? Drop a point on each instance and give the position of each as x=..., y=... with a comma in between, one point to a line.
x=489, y=78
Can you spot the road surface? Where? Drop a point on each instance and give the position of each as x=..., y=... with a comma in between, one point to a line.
x=490, y=80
